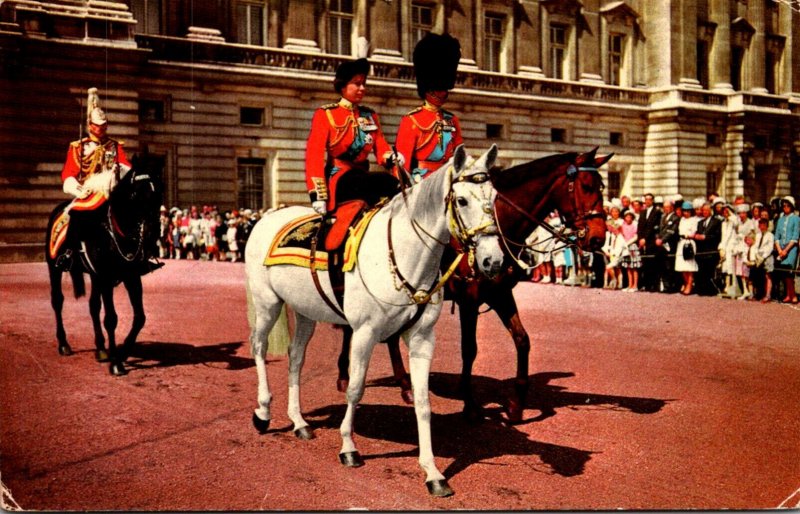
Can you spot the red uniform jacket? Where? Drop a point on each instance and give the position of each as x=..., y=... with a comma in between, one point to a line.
x=84, y=158
x=342, y=137
x=427, y=138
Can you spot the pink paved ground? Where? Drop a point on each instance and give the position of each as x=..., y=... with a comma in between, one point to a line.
x=638, y=401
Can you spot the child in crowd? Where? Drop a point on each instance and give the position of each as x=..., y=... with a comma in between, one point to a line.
x=633, y=261
x=613, y=250
x=761, y=256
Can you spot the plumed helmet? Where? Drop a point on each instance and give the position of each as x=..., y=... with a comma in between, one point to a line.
x=94, y=114
x=436, y=59
x=349, y=69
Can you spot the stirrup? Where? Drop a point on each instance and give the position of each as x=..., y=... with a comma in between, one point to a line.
x=64, y=261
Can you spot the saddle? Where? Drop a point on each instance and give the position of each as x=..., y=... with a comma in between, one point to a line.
x=310, y=242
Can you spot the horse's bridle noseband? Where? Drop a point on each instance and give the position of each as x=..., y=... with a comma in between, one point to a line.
x=594, y=212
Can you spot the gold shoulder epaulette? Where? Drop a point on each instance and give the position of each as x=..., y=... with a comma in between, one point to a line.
x=328, y=107
x=414, y=111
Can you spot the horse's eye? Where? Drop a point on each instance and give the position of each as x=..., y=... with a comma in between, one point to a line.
x=462, y=202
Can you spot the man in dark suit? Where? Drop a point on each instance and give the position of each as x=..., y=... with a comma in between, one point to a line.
x=709, y=234
x=647, y=231
x=666, y=243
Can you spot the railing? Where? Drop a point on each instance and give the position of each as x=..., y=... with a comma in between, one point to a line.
x=191, y=50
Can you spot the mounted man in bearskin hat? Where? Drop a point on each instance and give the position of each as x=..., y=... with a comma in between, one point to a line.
x=429, y=135
x=342, y=137
x=92, y=167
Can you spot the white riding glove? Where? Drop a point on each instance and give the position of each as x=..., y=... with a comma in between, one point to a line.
x=73, y=187
x=320, y=206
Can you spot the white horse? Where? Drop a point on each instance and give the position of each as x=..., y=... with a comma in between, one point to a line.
x=380, y=299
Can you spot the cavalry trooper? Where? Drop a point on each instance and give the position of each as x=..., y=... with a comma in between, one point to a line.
x=428, y=135
x=342, y=137
x=87, y=157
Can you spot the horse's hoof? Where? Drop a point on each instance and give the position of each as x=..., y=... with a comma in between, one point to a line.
x=341, y=385
x=261, y=425
x=408, y=396
x=101, y=355
x=439, y=488
x=351, y=459
x=64, y=350
x=514, y=411
x=118, y=369
x=304, y=433
x=472, y=414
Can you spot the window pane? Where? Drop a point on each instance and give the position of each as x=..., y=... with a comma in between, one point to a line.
x=256, y=25
x=250, y=183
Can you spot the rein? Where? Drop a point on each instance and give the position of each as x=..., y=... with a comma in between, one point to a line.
x=559, y=235
x=127, y=256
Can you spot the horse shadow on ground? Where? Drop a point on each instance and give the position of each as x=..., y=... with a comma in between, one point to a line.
x=157, y=354
x=469, y=443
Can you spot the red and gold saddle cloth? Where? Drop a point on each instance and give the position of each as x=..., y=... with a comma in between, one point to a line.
x=292, y=244
x=59, y=231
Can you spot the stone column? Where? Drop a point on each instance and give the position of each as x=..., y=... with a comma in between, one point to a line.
x=754, y=79
x=385, y=30
x=658, y=27
x=719, y=72
x=687, y=42
x=589, y=47
x=529, y=52
x=300, y=29
x=459, y=23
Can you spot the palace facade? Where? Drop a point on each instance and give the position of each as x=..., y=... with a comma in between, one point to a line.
x=692, y=96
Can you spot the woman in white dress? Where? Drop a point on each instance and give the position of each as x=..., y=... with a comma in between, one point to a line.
x=683, y=263
x=726, y=246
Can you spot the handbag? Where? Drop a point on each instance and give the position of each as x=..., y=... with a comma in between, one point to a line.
x=688, y=251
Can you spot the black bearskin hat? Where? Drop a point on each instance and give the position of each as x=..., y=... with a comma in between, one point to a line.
x=435, y=63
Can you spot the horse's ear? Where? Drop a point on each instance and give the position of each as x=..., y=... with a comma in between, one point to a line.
x=599, y=161
x=491, y=156
x=460, y=159
x=587, y=157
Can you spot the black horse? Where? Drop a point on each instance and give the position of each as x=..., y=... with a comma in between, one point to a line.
x=113, y=245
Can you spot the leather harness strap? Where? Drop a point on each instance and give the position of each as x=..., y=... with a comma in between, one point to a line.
x=315, y=277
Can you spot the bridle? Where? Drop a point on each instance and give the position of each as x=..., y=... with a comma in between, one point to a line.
x=139, y=251
x=467, y=237
x=562, y=235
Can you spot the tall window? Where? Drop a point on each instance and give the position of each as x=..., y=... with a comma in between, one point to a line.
x=250, y=183
x=493, y=41
x=702, y=63
x=615, y=49
x=147, y=14
x=421, y=21
x=614, y=184
x=771, y=71
x=340, y=26
x=737, y=57
x=558, y=51
x=251, y=23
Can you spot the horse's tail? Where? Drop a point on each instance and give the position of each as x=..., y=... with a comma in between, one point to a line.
x=78, y=283
x=279, y=338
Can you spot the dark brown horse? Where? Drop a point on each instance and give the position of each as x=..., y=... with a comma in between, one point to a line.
x=569, y=183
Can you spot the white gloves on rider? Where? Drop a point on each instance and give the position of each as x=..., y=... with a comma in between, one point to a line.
x=393, y=158
x=73, y=187
x=320, y=206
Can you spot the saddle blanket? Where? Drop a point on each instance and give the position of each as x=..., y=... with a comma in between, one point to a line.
x=59, y=231
x=292, y=244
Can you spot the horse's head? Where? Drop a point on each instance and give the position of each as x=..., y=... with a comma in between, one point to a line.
x=134, y=203
x=469, y=208
x=579, y=200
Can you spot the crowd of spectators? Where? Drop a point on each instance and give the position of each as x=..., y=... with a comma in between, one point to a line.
x=205, y=233
x=706, y=246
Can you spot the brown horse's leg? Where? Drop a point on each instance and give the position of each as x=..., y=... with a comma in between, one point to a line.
x=506, y=307
x=468, y=317
x=400, y=375
x=344, y=360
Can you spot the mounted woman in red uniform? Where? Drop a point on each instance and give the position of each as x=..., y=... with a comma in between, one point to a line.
x=342, y=137
x=428, y=135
